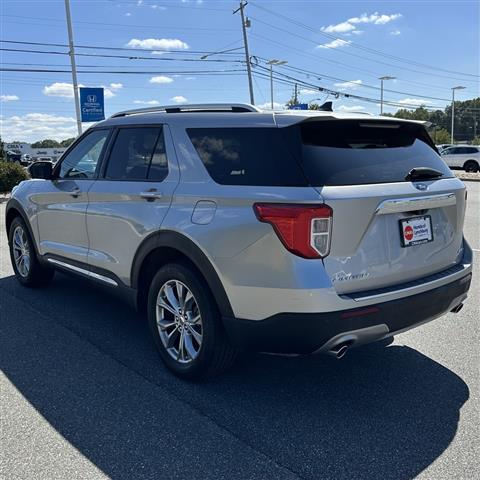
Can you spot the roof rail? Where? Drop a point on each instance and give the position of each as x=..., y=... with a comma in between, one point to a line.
x=193, y=107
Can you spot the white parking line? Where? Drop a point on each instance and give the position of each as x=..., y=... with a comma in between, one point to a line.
x=475, y=249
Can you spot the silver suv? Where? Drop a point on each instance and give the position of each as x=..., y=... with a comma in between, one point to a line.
x=288, y=232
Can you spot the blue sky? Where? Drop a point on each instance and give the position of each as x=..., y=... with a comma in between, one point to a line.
x=345, y=45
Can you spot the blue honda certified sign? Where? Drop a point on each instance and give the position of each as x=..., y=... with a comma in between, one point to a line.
x=299, y=106
x=91, y=104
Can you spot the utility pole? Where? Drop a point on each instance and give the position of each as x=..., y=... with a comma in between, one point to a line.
x=245, y=24
x=74, y=68
x=453, y=109
x=295, y=96
x=381, y=90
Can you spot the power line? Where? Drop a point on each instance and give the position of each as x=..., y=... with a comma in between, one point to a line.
x=276, y=27
x=120, y=72
x=359, y=46
x=156, y=27
x=99, y=47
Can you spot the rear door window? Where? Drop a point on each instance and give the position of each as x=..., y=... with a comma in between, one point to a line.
x=138, y=154
x=247, y=156
x=353, y=152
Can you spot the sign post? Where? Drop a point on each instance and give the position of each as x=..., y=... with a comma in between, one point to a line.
x=92, y=104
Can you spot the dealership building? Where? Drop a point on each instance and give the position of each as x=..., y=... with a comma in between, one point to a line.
x=35, y=153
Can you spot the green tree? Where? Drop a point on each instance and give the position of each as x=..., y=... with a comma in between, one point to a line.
x=441, y=136
x=2, y=153
x=47, y=143
x=67, y=142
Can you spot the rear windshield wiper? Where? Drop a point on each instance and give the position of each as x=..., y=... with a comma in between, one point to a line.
x=423, y=172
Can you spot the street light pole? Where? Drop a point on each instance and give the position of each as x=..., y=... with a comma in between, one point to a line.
x=453, y=110
x=272, y=63
x=386, y=77
x=245, y=24
x=74, y=68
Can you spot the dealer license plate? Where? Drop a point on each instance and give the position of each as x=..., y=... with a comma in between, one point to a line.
x=416, y=230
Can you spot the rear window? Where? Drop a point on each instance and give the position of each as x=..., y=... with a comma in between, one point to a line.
x=247, y=156
x=348, y=152
x=321, y=153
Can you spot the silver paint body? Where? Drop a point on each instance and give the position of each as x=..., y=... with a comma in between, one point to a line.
x=105, y=222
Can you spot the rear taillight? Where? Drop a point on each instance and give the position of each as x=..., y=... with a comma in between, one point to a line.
x=303, y=229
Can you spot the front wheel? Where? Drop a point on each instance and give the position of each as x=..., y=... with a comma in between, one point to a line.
x=28, y=270
x=186, y=324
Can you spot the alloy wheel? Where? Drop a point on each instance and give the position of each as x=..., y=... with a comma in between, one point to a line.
x=179, y=321
x=21, y=251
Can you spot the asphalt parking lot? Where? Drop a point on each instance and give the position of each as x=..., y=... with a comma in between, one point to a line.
x=84, y=395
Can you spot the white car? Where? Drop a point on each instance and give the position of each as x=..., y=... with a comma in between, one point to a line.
x=465, y=157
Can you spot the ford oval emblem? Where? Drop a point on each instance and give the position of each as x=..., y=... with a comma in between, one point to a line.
x=421, y=186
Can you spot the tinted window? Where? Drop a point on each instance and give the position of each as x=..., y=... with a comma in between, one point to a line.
x=81, y=161
x=470, y=150
x=247, y=156
x=351, y=152
x=138, y=154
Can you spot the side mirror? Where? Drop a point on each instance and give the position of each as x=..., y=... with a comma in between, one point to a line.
x=41, y=170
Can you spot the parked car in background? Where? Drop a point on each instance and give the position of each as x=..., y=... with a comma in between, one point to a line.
x=465, y=157
x=443, y=146
x=13, y=156
x=236, y=228
x=26, y=160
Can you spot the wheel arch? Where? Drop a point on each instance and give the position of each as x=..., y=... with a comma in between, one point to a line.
x=164, y=247
x=14, y=209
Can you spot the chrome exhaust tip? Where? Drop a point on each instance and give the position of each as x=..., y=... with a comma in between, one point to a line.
x=339, y=350
x=457, y=308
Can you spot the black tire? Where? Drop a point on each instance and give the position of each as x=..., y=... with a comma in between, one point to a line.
x=216, y=354
x=471, y=166
x=37, y=275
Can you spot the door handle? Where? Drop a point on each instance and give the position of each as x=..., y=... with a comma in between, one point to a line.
x=75, y=192
x=151, y=194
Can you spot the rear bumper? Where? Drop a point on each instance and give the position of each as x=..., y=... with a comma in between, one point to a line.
x=303, y=333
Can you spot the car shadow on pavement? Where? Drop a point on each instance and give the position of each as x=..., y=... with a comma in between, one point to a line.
x=378, y=413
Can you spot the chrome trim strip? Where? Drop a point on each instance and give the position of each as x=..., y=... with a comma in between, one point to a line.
x=444, y=280
x=398, y=205
x=74, y=268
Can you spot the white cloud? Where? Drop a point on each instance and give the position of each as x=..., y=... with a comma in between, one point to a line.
x=128, y=14
x=161, y=79
x=8, y=98
x=335, y=44
x=396, y=32
x=139, y=3
x=146, y=102
x=157, y=7
x=339, y=28
x=268, y=105
x=65, y=90
x=353, y=108
x=158, y=44
x=352, y=84
x=59, y=89
x=414, y=101
x=37, y=126
x=190, y=78
x=308, y=91
x=179, y=99
x=358, y=32
x=349, y=25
